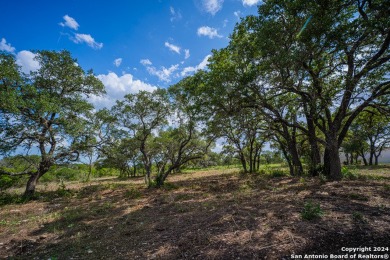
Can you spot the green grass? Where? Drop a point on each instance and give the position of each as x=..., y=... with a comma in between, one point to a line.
x=133, y=194
x=311, y=211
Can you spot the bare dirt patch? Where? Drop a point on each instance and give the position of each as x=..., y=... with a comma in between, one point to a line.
x=202, y=215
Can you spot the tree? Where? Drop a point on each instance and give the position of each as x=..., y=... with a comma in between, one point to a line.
x=99, y=135
x=330, y=72
x=142, y=115
x=178, y=146
x=373, y=127
x=46, y=110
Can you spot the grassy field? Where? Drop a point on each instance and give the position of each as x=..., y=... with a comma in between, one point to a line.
x=208, y=214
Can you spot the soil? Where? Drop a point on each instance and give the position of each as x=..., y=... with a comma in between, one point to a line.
x=202, y=215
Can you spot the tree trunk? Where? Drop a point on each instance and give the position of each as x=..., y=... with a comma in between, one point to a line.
x=134, y=169
x=372, y=152
x=147, y=174
x=332, y=164
x=363, y=157
x=243, y=162
x=315, y=157
x=30, y=187
x=296, y=162
x=376, y=159
x=346, y=159
x=44, y=167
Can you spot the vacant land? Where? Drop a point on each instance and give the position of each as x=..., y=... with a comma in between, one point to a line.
x=214, y=214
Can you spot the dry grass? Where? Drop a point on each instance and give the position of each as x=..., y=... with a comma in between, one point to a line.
x=216, y=214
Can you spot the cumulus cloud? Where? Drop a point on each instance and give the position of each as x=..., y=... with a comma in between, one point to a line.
x=117, y=87
x=172, y=47
x=164, y=74
x=88, y=39
x=26, y=60
x=145, y=62
x=250, y=2
x=175, y=15
x=186, y=53
x=200, y=66
x=209, y=32
x=70, y=22
x=212, y=6
x=118, y=62
x=4, y=46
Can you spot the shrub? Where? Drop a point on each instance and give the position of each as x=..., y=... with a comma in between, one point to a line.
x=311, y=211
x=133, y=194
x=348, y=174
x=358, y=217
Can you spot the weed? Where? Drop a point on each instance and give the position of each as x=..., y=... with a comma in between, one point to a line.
x=357, y=196
x=358, y=217
x=322, y=178
x=8, y=198
x=133, y=194
x=311, y=211
x=170, y=186
x=387, y=187
x=348, y=174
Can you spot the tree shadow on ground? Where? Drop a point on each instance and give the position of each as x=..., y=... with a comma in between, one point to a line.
x=215, y=217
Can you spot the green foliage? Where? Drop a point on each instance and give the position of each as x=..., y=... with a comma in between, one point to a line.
x=11, y=198
x=348, y=174
x=357, y=196
x=311, y=211
x=45, y=109
x=7, y=182
x=358, y=217
x=133, y=193
x=322, y=178
x=276, y=173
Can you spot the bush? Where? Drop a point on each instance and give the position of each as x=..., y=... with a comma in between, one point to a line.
x=133, y=194
x=311, y=211
x=6, y=182
x=348, y=174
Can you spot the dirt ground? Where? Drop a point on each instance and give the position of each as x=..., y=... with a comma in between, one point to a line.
x=202, y=215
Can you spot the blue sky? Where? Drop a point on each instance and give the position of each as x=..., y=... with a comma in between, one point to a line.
x=130, y=45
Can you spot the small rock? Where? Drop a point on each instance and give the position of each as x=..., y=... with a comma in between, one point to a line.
x=90, y=251
x=42, y=237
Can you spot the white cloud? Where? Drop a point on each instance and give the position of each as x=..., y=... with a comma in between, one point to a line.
x=250, y=2
x=145, y=62
x=118, y=86
x=26, y=60
x=225, y=22
x=200, y=66
x=4, y=46
x=175, y=15
x=88, y=39
x=118, y=62
x=212, y=6
x=172, y=47
x=70, y=22
x=186, y=53
x=208, y=31
x=164, y=74
x=237, y=14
